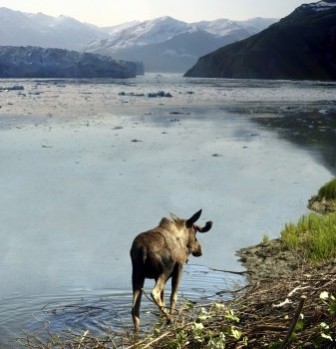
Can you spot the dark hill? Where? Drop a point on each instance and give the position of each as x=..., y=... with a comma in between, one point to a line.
x=300, y=46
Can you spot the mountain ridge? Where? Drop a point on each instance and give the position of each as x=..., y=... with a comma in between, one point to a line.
x=155, y=37
x=127, y=41
x=27, y=29
x=300, y=46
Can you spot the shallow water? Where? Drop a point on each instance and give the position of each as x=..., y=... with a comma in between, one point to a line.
x=84, y=168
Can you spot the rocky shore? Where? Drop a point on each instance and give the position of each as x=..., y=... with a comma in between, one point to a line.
x=268, y=260
x=321, y=205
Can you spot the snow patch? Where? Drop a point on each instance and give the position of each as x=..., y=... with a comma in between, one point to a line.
x=320, y=6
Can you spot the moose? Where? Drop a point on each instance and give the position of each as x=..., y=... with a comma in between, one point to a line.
x=160, y=254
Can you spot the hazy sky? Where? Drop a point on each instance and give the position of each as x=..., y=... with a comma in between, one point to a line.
x=111, y=12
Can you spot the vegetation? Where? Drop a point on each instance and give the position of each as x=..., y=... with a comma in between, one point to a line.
x=265, y=239
x=313, y=237
x=328, y=191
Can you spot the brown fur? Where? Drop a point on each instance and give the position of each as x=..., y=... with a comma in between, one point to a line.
x=160, y=254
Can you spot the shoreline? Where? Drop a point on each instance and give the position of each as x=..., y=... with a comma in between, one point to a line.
x=268, y=261
x=271, y=259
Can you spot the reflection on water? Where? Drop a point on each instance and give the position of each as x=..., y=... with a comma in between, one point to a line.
x=85, y=168
x=315, y=130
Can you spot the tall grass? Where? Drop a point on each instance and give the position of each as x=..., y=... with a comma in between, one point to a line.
x=313, y=237
x=328, y=191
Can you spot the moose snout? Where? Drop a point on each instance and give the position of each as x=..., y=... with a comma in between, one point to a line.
x=197, y=252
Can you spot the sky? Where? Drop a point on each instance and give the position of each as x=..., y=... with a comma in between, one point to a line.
x=112, y=12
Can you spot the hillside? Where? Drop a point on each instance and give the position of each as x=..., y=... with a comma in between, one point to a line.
x=300, y=46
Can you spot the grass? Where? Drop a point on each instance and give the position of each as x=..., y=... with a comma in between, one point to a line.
x=314, y=237
x=265, y=239
x=328, y=191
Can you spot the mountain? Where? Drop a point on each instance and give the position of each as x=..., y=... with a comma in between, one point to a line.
x=37, y=62
x=224, y=26
x=149, y=32
x=300, y=46
x=24, y=29
x=168, y=45
x=113, y=30
x=163, y=44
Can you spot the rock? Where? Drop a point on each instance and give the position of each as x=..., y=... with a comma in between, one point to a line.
x=321, y=205
x=13, y=88
x=160, y=94
x=131, y=94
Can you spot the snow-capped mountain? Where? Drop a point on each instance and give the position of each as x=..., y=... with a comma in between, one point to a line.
x=224, y=26
x=144, y=33
x=163, y=44
x=313, y=9
x=113, y=30
x=152, y=32
x=24, y=29
x=319, y=6
x=166, y=44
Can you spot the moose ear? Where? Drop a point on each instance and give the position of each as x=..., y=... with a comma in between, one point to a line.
x=174, y=217
x=194, y=218
x=206, y=228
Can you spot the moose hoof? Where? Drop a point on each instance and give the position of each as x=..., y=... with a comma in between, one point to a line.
x=169, y=319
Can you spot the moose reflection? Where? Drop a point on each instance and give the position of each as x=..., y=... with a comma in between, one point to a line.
x=160, y=254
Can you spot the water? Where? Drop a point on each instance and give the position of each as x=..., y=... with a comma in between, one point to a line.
x=86, y=165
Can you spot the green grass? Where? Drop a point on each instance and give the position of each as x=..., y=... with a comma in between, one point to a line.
x=266, y=239
x=328, y=191
x=313, y=237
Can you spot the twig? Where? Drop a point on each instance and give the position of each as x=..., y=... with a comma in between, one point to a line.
x=233, y=272
x=82, y=339
x=294, y=322
x=279, y=305
x=290, y=294
x=155, y=340
x=231, y=291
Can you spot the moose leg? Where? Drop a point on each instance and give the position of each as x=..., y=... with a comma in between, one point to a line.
x=163, y=299
x=158, y=293
x=176, y=277
x=138, y=283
